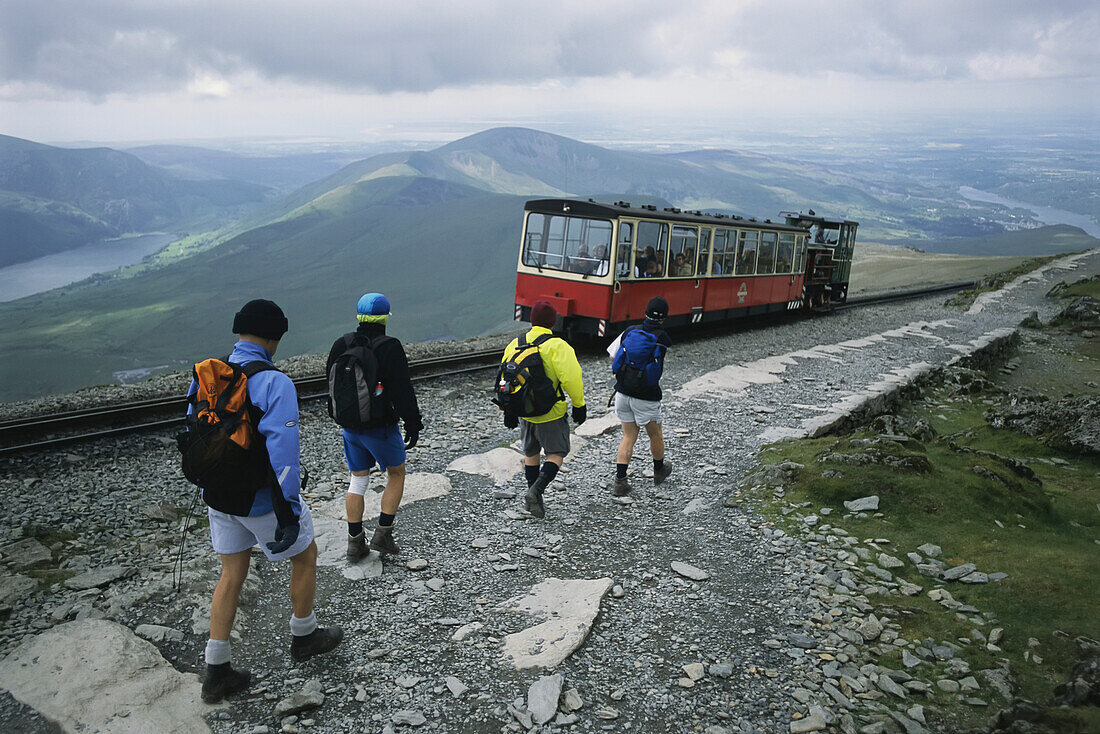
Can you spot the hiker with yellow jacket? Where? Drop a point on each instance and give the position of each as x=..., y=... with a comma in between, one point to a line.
x=547, y=431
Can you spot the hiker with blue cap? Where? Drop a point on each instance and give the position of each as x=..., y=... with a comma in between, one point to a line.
x=370, y=390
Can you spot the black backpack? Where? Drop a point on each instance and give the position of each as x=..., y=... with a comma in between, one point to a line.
x=522, y=387
x=355, y=395
x=222, y=450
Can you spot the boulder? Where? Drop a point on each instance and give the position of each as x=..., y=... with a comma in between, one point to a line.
x=102, y=677
x=863, y=504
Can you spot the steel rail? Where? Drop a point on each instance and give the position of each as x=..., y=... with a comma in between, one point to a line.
x=307, y=387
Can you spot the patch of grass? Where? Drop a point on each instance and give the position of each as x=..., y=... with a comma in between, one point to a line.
x=980, y=511
x=1089, y=287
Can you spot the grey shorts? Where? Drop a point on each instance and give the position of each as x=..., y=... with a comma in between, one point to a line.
x=232, y=534
x=551, y=437
x=635, y=410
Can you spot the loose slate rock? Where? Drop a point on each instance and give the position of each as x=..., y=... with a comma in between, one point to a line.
x=958, y=572
x=455, y=686
x=98, y=577
x=690, y=572
x=416, y=564
x=409, y=717
x=863, y=504
x=542, y=698
x=310, y=697
x=568, y=606
x=26, y=554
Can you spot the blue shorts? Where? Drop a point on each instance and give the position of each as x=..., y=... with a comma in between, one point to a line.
x=369, y=446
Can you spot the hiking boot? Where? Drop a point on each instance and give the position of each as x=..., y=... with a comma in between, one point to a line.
x=222, y=680
x=532, y=501
x=383, y=540
x=660, y=475
x=621, y=487
x=357, y=548
x=318, y=641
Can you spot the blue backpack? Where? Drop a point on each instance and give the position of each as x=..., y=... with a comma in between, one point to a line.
x=638, y=363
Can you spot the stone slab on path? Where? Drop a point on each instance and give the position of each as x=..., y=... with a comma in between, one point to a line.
x=331, y=531
x=598, y=426
x=569, y=608
x=96, y=675
x=500, y=464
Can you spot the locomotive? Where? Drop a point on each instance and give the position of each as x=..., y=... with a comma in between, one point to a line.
x=599, y=264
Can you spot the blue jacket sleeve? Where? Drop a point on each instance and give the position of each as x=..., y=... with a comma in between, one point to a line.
x=279, y=426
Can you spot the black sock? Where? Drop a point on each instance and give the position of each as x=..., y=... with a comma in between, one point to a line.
x=620, y=471
x=354, y=528
x=549, y=470
x=531, y=472
x=658, y=464
x=385, y=520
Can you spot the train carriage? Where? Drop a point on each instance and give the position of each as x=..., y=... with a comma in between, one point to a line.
x=599, y=264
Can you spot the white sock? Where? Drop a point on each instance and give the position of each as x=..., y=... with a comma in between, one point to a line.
x=300, y=627
x=358, y=485
x=217, y=652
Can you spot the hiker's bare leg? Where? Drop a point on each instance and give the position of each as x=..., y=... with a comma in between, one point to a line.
x=395, y=487
x=353, y=503
x=227, y=594
x=626, y=446
x=303, y=579
x=656, y=440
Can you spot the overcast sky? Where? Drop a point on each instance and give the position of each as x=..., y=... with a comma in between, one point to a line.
x=161, y=69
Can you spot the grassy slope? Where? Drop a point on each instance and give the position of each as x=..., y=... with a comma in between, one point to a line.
x=401, y=240
x=1043, y=536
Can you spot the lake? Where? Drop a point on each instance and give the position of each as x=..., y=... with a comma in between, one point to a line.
x=1045, y=214
x=62, y=268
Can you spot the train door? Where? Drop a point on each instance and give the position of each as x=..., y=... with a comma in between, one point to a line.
x=719, y=295
x=685, y=290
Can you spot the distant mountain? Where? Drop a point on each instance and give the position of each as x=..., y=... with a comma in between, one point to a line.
x=53, y=199
x=282, y=173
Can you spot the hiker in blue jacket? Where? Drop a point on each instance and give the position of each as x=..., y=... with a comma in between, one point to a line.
x=638, y=401
x=279, y=520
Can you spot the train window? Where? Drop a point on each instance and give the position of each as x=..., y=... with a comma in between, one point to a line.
x=765, y=259
x=800, y=254
x=685, y=243
x=746, y=253
x=784, y=256
x=703, y=258
x=571, y=244
x=651, y=250
x=724, y=246
x=626, y=249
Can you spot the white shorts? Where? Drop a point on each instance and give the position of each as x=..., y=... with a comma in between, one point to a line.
x=634, y=410
x=232, y=534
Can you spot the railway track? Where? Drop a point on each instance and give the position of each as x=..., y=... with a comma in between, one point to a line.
x=59, y=429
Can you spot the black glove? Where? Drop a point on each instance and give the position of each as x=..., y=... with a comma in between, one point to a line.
x=285, y=536
x=580, y=415
x=411, y=437
x=305, y=478
x=511, y=420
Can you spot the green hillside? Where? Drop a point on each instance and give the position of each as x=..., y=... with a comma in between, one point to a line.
x=443, y=253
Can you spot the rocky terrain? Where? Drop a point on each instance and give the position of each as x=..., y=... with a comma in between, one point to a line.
x=681, y=607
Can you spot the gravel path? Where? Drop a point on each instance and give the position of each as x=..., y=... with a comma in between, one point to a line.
x=88, y=506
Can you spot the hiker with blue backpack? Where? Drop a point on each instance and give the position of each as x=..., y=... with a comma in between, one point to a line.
x=536, y=373
x=638, y=360
x=240, y=445
x=370, y=388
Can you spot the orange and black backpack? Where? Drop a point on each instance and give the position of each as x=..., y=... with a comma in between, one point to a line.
x=223, y=452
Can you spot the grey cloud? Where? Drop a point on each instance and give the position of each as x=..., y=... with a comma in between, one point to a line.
x=930, y=39
x=135, y=46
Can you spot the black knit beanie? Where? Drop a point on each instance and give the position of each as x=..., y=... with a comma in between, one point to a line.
x=656, y=309
x=261, y=318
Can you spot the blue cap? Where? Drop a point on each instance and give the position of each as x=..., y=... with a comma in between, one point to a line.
x=373, y=304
